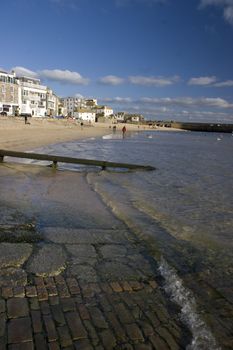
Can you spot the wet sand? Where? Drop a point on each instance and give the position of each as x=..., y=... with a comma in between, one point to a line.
x=17, y=136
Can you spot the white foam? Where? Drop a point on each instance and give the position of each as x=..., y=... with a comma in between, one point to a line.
x=202, y=336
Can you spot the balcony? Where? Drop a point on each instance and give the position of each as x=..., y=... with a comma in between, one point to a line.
x=33, y=86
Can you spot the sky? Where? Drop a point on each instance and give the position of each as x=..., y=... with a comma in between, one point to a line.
x=165, y=59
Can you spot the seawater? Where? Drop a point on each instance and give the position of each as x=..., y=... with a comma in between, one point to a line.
x=183, y=211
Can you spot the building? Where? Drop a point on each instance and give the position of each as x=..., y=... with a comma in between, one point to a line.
x=73, y=103
x=52, y=103
x=91, y=102
x=119, y=117
x=83, y=114
x=103, y=111
x=32, y=99
x=9, y=93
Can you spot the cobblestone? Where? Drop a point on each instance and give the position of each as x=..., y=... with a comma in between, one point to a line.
x=17, y=307
x=114, y=315
x=72, y=312
x=19, y=330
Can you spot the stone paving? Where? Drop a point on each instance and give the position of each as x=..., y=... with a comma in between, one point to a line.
x=84, y=289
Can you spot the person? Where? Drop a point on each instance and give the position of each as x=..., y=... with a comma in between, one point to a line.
x=25, y=119
x=123, y=131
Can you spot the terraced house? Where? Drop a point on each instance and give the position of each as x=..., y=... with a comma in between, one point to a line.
x=26, y=95
x=9, y=93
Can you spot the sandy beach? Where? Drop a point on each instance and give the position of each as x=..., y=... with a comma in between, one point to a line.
x=18, y=136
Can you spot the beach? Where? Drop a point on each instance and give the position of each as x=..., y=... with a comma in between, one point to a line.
x=134, y=259
x=73, y=275
x=16, y=135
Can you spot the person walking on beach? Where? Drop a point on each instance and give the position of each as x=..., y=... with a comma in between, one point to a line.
x=25, y=119
x=123, y=131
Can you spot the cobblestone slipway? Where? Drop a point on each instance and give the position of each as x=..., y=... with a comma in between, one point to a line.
x=84, y=289
x=92, y=286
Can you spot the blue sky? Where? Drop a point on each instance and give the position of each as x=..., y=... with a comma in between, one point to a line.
x=166, y=59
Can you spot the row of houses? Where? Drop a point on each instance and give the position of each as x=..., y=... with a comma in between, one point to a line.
x=20, y=95
x=25, y=95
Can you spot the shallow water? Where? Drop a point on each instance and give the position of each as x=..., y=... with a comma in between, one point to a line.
x=183, y=210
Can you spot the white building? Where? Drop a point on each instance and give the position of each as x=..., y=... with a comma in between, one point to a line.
x=86, y=115
x=119, y=117
x=9, y=93
x=52, y=103
x=73, y=103
x=32, y=99
x=104, y=111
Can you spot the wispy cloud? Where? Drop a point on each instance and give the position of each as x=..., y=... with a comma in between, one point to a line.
x=211, y=81
x=203, y=81
x=21, y=71
x=180, y=108
x=213, y=102
x=226, y=5
x=153, y=81
x=64, y=76
x=111, y=80
x=227, y=83
x=184, y=102
x=117, y=99
x=61, y=76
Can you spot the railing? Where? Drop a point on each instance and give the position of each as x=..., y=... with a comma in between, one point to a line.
x=56, y=159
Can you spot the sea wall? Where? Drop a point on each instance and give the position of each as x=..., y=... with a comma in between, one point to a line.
x=209, y=127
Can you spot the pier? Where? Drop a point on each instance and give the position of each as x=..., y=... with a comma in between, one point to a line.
x=55, y=159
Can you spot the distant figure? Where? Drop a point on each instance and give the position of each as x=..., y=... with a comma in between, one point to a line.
x=81, y=125
x=114, y=129
x=123, y=131
x=25, y=119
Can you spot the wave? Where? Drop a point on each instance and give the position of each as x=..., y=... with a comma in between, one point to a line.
x=202, y=336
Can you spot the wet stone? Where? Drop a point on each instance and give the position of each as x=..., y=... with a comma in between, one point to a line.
x=83, y=272
x=2, y=325
x=82, y=250
x=2, y=306
x=19, y=330
x=86, y=236
x=17, y=307
x=22, y=346
x=117, y=271
x=48, y=261
x=68, y=236
x=12, y=277
x=14, y=254
x=111, y=251
x=84, y=261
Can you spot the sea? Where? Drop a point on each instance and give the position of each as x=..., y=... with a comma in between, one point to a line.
x=182, y=211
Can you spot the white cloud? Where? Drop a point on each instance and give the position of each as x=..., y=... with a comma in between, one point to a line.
x=226, y=83
x=117, y=99
x=179, y=108
x=180, y=102
x=211, y=102
x=111, y=80
x=64, y=76
x=203, y=81
x=153, y=81
x=78, y=95
x=21, y=71
x=227, y=6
